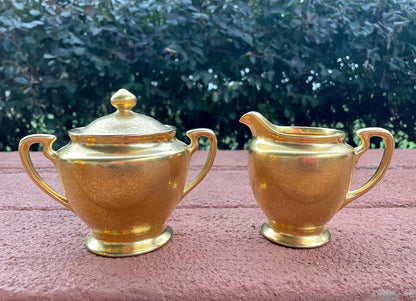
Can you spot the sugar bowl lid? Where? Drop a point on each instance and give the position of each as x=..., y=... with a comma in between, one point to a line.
x=123, y=122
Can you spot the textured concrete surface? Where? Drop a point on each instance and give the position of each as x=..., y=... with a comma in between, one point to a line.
x=217, y=251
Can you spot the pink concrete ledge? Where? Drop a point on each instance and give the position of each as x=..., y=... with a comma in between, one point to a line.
x=217, y=251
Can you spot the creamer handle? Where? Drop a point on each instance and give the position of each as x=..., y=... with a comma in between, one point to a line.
x=365, y=135
x=46, y=141
x=193, y=147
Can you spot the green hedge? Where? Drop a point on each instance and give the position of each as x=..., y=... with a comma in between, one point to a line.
x=334, y=63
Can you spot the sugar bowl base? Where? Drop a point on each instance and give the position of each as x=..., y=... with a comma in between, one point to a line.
x=114, y=249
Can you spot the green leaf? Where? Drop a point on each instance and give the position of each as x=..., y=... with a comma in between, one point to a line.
x=197, y=50
x=49, y=56
x=18, y=6
x=21, y=80
x=34, y=12
x=247, y=38
x=31, y=25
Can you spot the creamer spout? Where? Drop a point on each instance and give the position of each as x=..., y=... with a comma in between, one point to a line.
x=259, y=125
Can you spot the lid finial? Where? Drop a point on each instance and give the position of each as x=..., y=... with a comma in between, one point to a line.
x=123, y=100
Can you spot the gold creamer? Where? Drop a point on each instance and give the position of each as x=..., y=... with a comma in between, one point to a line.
x=300, y=177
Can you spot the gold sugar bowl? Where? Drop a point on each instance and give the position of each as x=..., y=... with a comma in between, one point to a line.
x=123, y=175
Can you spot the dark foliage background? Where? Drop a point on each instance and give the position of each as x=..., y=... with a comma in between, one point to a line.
x=196, y=63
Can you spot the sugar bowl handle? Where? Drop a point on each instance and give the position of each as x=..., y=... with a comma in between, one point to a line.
x=46, y=141
x=193, y=147
x=365, y=135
